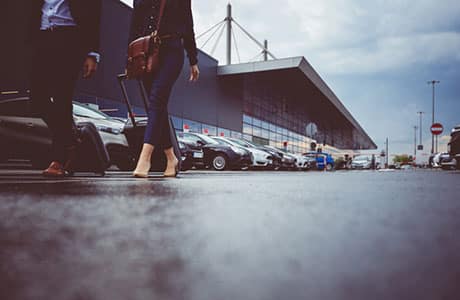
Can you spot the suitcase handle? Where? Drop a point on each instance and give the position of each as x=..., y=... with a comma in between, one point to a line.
x=121, y=81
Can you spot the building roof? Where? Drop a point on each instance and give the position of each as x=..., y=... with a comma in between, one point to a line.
x=310, y=74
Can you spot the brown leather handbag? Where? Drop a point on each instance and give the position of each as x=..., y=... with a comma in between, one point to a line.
x=144, y=53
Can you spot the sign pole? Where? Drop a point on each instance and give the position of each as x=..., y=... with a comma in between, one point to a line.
x=433, y=83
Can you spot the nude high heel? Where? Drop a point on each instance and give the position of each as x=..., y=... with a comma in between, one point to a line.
x=176, y=170
x=139, y=174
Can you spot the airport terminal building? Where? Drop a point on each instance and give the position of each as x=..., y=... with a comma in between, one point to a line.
x=282, y=102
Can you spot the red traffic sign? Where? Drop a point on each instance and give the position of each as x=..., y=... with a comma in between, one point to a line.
x=437, y=128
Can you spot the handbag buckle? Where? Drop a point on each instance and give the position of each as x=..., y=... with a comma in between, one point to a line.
x=156, y=38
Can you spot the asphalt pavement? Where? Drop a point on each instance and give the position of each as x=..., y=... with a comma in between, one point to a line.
x=231, y=235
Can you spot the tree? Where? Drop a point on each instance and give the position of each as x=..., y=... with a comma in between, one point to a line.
x=403, y=159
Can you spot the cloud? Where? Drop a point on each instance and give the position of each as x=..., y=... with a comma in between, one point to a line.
x=377, y=36
x=392, y=53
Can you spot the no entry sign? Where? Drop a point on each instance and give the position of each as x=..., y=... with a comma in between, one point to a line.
x=437, y=129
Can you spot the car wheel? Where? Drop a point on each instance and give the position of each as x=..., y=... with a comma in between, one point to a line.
x=329, y=167
x=219, y=162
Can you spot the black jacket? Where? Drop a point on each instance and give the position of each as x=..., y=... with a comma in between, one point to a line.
x=87, y=15
x=177, y=19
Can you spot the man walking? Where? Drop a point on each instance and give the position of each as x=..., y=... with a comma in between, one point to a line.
x=65, y=37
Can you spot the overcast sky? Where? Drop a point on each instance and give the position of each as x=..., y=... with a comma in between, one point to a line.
x=375, y=55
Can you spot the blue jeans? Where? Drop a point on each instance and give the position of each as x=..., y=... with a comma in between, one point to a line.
x=159, y=88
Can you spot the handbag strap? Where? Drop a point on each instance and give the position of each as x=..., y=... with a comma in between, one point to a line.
x=160, y=16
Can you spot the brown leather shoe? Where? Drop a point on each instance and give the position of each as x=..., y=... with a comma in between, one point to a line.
x=54, y=170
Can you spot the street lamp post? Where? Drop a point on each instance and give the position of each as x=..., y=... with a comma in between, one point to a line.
x=420, y=128
x=433, y=83
x=415, y=141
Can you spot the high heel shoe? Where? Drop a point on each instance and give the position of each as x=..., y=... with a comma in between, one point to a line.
x=138, y=174
x=176, y=170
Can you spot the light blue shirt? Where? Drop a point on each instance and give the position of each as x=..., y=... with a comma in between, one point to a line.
x=56, y=13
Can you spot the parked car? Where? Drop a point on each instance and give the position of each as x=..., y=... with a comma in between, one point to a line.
x=363, y=162
x=24, y=135
x=407, y=167
x=259, y=158
x=276, y=156
x=288, y=161
x=320, y=160
x=436, y=160
x=302, y=162
x=192, y=154
x=454, y=146
x=217, y=155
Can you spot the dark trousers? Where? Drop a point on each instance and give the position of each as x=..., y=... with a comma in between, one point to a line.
x=57, y=61
x=159, y=88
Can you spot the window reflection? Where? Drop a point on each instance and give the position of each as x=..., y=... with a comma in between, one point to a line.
x=254, y=130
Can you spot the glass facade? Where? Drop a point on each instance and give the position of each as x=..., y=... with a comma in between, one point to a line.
x=277, y=115
x=209, y=129
x=185, y=125
x=267, y=133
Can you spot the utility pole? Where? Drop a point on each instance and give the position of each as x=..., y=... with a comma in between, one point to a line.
x=433, y=83
x=229, y=20
x=415, y=141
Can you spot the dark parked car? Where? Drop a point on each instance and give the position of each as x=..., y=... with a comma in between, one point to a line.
x=288, y=161
x=25, y=135
x=454, y=148
x=192, y=154
x=219, y=156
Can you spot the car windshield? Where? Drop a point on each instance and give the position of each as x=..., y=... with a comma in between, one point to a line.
x=225, y=141
x=87, y=112
x=188, y=139
x=207, y=139
x=361, y=157
x=240, y=143
x=251, y=144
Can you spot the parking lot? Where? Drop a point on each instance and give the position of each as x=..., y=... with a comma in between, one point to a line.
x=231, y=235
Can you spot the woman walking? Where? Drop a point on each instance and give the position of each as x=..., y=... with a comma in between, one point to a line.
x=176, y=33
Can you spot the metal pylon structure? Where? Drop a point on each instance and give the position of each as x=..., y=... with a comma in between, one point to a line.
x=227, y=25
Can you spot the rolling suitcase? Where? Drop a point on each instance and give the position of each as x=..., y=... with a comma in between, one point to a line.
x=134, y=132
x=91, y=154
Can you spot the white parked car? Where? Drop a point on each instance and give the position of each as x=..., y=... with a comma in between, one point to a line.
x=302, y=162
x=439, y=158
x=361, y=162
x=259, y=158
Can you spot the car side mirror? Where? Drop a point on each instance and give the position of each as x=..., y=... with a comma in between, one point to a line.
x=200, y=143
